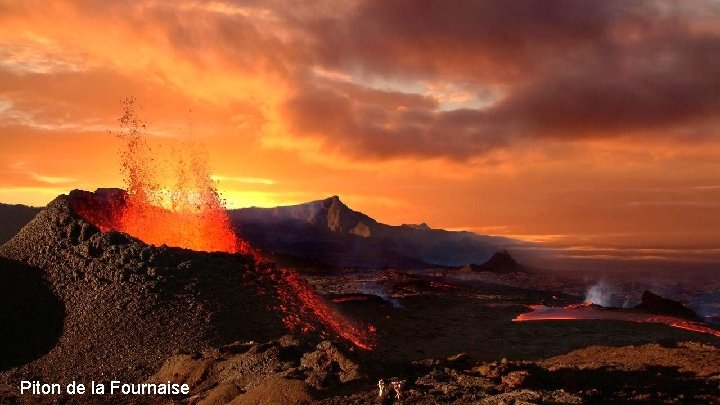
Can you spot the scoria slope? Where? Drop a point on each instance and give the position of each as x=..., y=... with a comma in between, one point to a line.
x=125, y=306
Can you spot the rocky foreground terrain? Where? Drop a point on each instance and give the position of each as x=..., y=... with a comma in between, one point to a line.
x=292, y=371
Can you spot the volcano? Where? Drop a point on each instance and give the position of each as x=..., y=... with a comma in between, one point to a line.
x=128, y=305
x=117, y=307
x=82, y=301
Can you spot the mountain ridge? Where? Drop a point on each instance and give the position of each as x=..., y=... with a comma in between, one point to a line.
x=332, y=233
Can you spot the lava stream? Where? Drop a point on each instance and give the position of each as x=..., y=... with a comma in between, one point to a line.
x=584, y=311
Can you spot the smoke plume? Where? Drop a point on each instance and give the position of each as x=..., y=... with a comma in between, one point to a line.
x=606, y=295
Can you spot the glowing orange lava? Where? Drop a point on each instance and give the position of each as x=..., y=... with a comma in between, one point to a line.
x=586, y=311
x=313, y=304
x=175, y=202
x=172, y=202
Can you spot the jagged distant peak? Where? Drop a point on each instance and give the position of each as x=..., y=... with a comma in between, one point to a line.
x=335, y=202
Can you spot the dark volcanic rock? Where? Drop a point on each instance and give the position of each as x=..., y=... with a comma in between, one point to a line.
x=326, y=361
x=402, y=284
x=127, y=305
x=282, y=371
x=501, y=262
x=655, y=304
x=31, y=316
x=638, y=374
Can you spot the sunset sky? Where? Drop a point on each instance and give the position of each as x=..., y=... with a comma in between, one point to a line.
x=587, y=124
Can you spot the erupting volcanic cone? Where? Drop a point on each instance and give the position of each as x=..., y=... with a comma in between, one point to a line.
x=300, y=305
x=175, y=202
x=129, y=305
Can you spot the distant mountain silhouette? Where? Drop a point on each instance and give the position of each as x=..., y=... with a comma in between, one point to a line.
x=329, y=232
x=13, y=218
x=500, y=262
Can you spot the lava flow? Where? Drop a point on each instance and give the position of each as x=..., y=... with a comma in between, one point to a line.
x=187, y=212
x=587, y=311
x=326, y=315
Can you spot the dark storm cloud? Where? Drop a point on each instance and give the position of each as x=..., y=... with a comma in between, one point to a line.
x=482, y=40
x=568, y=69
x=623, y=96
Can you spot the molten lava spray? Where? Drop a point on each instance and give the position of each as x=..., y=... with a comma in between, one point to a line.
x=175, y=202
x=171, y=202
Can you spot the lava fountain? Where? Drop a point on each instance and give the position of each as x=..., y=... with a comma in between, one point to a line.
x=180, y=208
x=176, y=203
